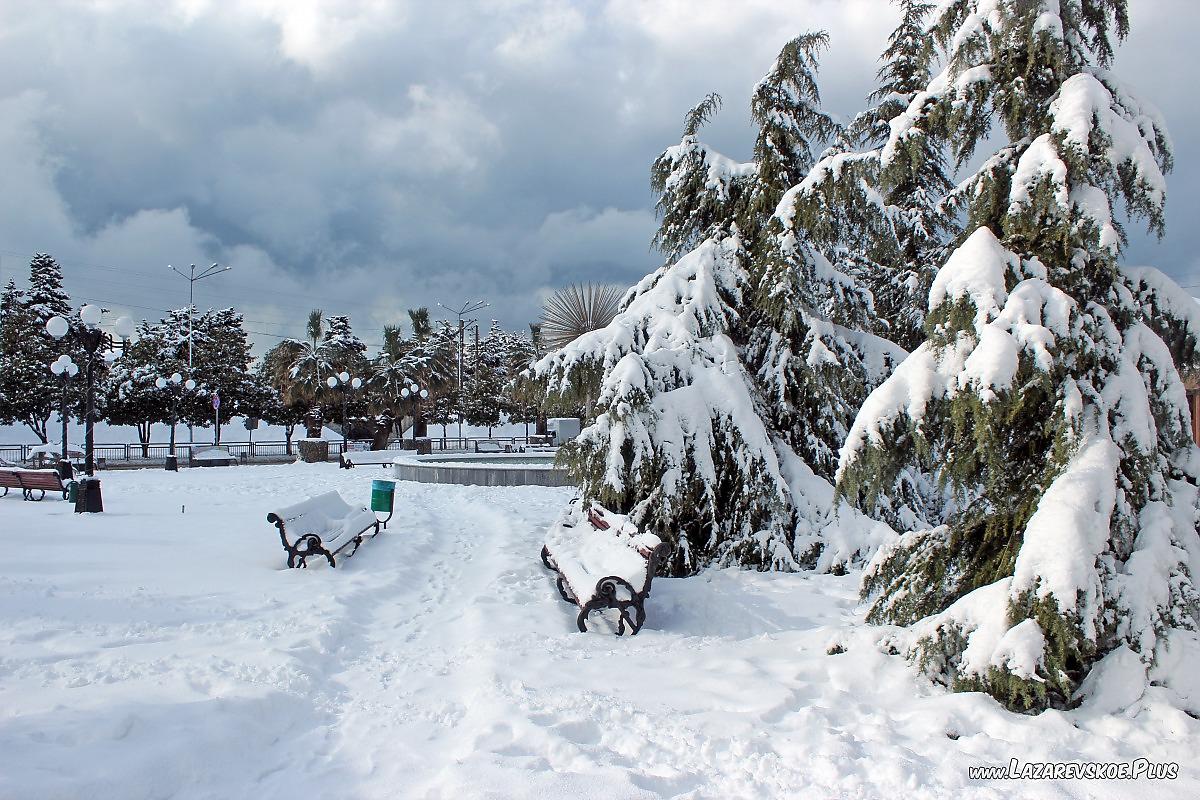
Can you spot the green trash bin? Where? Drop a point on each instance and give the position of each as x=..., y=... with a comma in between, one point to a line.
x=383, y=495
x=72, y=492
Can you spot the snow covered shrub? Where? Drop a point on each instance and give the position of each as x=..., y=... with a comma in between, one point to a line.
x=1046, y=400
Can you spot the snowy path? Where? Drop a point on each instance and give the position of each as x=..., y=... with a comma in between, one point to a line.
x=148, y=653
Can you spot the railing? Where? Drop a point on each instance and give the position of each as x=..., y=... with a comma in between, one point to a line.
x=155, y=453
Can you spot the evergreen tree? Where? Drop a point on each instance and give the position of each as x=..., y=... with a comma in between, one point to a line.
x=14, y=326
x=46, y=297
x=786, y=106
x=221, y=363
x=522, y=401
x=699, y=190
x=714, y=381
x=33, y=394
x=1046, y=399
x=485, y=401
x=341, y=349
x=132, y=396
x=887, y=227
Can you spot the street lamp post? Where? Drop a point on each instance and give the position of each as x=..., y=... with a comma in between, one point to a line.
x=191, y=277
x=345, y=382
x=470, y=307
x=91, y=338
x=65, y=369
x=174, y=383
x=417, y=394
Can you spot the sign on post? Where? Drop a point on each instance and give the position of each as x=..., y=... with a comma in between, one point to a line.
x=217, y=417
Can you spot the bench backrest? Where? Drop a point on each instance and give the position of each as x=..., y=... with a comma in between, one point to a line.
x=328, y=509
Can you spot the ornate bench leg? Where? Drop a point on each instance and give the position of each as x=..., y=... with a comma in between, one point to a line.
x=546, y=559
x=562, y=590
x=580, y=621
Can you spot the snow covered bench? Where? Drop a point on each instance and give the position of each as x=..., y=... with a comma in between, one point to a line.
x=30, y=481
x=489, y=446
x=603, y=561
x=322, y=525
x=212, y=457
x=354, y=458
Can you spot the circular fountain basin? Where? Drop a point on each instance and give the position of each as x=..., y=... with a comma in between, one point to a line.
x=483, y=469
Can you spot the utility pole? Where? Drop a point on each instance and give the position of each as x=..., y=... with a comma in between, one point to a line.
x=191, y=277
x=469, y=307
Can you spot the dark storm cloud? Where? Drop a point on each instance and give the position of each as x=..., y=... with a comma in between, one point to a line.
x=367, y=156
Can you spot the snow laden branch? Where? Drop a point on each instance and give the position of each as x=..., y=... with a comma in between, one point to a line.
x=677, y=435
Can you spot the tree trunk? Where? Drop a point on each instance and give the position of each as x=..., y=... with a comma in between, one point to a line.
x=144, y=429
x=381, y=433
x=39, y=428
x=288, y=430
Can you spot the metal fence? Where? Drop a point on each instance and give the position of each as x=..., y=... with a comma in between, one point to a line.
x=155, y=453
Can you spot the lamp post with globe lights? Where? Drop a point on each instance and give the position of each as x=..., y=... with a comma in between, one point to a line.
x=469, y=307
x=345, y=383
x=416, y=394
x=177, y=385
x=91, y=338
x=64, y=368
x=191, y=276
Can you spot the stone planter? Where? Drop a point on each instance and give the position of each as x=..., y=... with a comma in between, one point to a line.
x=313, y=451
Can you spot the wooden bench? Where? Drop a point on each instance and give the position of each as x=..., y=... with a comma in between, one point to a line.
x=603, y=561
x=323, y=525
x=30, y=481
x=354, y=458
x=211, y=457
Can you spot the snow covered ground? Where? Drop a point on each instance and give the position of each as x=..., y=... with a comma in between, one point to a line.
x=160, y=650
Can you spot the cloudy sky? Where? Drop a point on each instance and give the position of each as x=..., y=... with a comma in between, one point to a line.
x=365, y=156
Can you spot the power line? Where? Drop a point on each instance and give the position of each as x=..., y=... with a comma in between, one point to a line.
x=308, y=298
x=169, y=310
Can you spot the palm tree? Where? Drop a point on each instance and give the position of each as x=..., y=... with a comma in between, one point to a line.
x=308, y=369
x=421, y=326
x=573, y=311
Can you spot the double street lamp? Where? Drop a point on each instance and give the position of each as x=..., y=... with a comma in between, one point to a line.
x=174, y=382
x=64, y=368
x=469, y=307
x=345, y=382
x=417, y=394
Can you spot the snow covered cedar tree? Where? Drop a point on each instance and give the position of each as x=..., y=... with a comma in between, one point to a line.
x=1047, y=399
x=709, y=390
x=32, y=394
